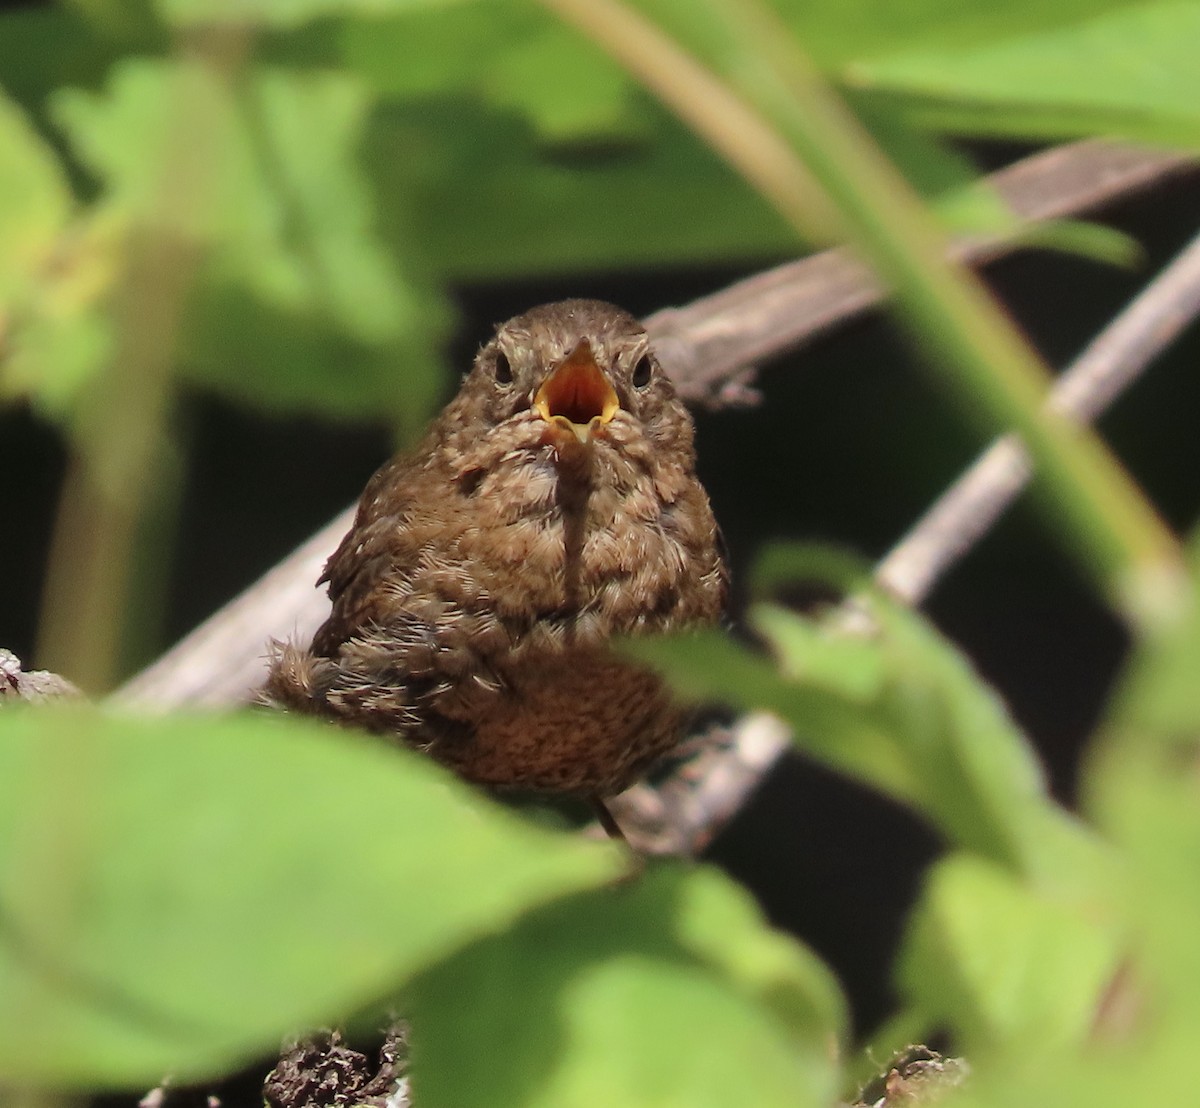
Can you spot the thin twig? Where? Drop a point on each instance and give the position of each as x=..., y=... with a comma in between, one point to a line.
x=224, y=659
x=681, y=815
x=1117, y=357
x=705, y=345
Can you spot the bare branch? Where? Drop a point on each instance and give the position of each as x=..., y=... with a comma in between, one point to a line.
x=713, y=339
x=36, y=686
x=224, y=660
x=681, y=815
x=1121, y=353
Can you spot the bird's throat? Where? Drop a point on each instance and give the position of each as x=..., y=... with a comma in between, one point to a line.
x=574, y=459
x=573, y=492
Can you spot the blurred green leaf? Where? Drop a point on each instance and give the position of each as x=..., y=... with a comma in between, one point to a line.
x=53, y=269
x=668, y=991
x=882, y=696
x=512, y=57
x=531, y=152
x=1094, y=241
x=1159, y=694
x=1130, y=73
x=43, y=48
x=846, y=39
x=305, y=132
x=966, y=202
x=261, y=177
x=35, y=203
x=506, y=144
x=279, y=13
x=526, y=151
x=423, y=52
x=718, y=921
x=1027, y=979
x=62, y=333
x=812, y=653
x=1143, y=786
x=781, y=564
x=164, y=140
x=1007, y=968
x=176, y=895
x=54, y=357
x=836, y=34
x=495, y=200
x=570, y=92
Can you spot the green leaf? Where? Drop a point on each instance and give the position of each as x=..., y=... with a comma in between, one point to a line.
x=62, y=332
x=946, y=178
x=836, y=35
x=1141, y=788
x=822, y=657
x=886, y=699
x=53, y=270
x=632, y=997
x=512, y=57
x=528, y=151
x=43, y=48
x=296, y=303
x=35, y=203
x=719, y=922
x=495, y=200
x=966, y=203
x=177, y=894
x=538, y=154
x=1130, y=73
x=1005, y=967
x=279, y=13
x=834, y=32
x=787, y=563
x=1159, y=696
x=1140, y=784
x=54, y=356
x=374, y=342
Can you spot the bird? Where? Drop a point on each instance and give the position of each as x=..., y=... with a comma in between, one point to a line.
x=552, y=507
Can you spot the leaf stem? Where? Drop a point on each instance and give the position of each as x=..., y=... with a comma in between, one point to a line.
x=120, y=436
x=118, y=448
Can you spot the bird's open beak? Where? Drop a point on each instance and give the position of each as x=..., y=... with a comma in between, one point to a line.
x=577, y=396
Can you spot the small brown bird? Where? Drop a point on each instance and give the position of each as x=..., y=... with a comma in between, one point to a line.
x=552, y=505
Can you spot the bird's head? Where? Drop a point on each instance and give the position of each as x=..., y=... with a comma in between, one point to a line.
x=580, y=376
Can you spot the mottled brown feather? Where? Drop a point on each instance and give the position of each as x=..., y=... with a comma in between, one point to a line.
x=485, y=572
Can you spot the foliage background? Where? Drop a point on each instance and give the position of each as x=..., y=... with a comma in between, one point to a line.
x=440, y=167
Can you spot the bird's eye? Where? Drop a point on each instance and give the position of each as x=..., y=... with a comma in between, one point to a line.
x=642, y=372
x=502, y=369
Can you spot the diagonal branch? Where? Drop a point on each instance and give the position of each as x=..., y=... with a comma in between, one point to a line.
x=706, y=347
x=1119, y=355
x=709, y=343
